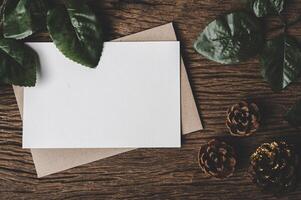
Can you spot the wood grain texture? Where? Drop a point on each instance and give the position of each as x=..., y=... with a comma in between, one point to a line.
x=161, y=173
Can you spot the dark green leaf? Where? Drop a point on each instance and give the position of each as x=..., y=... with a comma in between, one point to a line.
x=231, y=38
x=18, y=63
x=262, y=8
x=22, y=18
x=280, y=62
x=294, y=114
x=76, y=32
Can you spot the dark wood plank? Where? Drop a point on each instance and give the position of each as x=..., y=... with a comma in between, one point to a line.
x=160, y=173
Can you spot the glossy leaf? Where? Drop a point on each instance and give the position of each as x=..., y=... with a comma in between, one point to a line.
x=18, y=63
x=262, y=8
x=231, y=38
x=280, y=62
x=76, y=32
x=22, y=18
x=294, y=114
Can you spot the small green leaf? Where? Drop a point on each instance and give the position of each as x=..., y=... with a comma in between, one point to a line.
x=22, y=18
x=18, y=63
x=293, y=116
x=76, y=32
x=263, y=8
x=280, y=62
x=231, y=38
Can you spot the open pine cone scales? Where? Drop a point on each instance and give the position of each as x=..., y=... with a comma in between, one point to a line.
x=217, y=159
x=274, y=167
x=243, y=119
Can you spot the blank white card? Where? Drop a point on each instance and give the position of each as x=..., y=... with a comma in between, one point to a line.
x=132, y=99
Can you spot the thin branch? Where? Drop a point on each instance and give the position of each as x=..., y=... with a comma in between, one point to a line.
x=294, y=22
x=283, y=22
x=279, y=27
x=285, y=25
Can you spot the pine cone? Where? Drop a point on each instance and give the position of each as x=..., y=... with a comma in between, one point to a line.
x=243, y=119
x=217, y=159
x=274, y=167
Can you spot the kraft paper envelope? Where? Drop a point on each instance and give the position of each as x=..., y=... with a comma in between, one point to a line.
x=49, y=161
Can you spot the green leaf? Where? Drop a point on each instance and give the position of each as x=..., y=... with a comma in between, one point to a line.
x=280, y=62
x=293, y=116
x=231, y=38
x=76, y=32
x=263, y=8
x=18, y=63
x=22, y=18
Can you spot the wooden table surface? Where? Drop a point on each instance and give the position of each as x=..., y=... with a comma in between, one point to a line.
x=161, y=173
